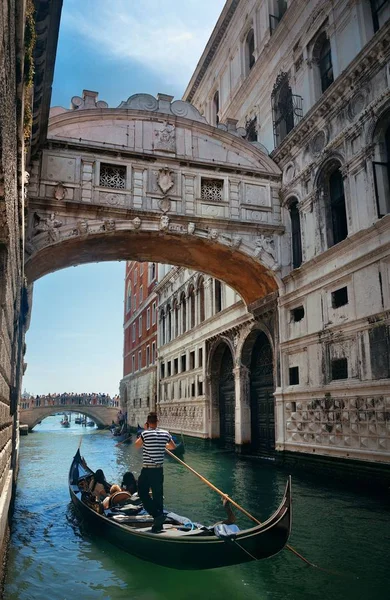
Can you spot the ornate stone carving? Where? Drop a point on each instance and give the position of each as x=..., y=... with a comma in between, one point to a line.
x=165, y=179
x=213, y=234
x=137, y=223
x=163, y=104
x=164, y=223
x=165, y=205
x=88, y=100
x=235, y=241
x=265, y=244
x=59, y=192
x=191, y=228
x=109, y=225
x=49, y=225
x=357, y=103
x=82, y=227
x=319, y=142
x=166, y=138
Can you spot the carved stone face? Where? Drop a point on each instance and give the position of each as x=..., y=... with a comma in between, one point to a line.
x=164, y=222
x=191, y=228
x=137, y=223
x=82, y=226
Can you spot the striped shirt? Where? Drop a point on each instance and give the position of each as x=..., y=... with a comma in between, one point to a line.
x=154, y=442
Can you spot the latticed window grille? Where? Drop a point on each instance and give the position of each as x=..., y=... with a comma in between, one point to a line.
x=112, y=176
x=212, y=190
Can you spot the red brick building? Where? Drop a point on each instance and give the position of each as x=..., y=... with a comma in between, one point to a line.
x=138, y=388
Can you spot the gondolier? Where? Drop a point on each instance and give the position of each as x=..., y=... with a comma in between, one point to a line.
x=153, y=441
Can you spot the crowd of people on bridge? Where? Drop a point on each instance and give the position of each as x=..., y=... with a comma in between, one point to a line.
x=73, y=398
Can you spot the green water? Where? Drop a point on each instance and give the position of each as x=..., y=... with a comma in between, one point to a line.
x=52, y=557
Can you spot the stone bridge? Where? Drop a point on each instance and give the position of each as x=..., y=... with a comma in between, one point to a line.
x=101, y=414
x=151, y=180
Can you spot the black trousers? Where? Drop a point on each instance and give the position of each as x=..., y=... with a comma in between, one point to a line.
x=152, y=478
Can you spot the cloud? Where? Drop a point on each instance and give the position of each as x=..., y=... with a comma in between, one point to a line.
x=167, y=37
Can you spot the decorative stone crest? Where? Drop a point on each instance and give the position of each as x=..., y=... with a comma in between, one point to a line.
x=165, y=179
x=59, y=192
x=319, y=142
x=166, y=138
x=165, y=205
x=137, y=223
x=213, y=234
x=265, y=244
x=164, y=223
x=191, y=228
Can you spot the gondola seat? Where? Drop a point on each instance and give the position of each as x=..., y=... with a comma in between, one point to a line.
x=120, y=498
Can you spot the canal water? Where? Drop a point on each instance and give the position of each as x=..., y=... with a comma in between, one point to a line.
x=53, y=557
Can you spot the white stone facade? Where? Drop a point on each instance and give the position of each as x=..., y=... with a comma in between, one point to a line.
x=329, y=63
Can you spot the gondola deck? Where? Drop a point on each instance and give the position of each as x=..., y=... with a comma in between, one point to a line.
x=178, y=547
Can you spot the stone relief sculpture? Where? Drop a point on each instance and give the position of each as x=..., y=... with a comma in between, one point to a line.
x=109, y=225
x=165, y=205
x=191, y=228
x=166, y=138
x=235, y=241
x=49, y=225
x=213, y=234
x=164, y=223
x=82, y=227
x=137, y=223
x=265, y=244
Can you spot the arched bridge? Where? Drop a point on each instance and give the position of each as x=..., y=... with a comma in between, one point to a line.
x=152, y=180
x=102, y=415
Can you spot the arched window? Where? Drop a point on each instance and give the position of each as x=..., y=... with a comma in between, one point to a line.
x=217, y=296
x=382, y=166
x=162, y=327
x=337, y=207
x=296, y=239
x=216, y=108
x=287, y=108
x=249, y=51
x=128, y=298
x=169, y=323
x=183, y=312
x=191, y=297
x=325, y=65
x=201, y=300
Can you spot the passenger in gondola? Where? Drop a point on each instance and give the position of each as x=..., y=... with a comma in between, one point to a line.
x=129, y=483
x=114, y=489
x=99, y=487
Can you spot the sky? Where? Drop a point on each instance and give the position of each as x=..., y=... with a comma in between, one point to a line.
x=117, y=48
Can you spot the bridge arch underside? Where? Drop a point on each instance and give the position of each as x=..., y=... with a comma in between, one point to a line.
x=250, y=278
x=34, y=416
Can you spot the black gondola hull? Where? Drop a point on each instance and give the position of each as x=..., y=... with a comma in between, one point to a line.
x=194, y=552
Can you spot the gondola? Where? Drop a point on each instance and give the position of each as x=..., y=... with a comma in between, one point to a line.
x=121, y=435
x=179, y=545
x=65, y=423
x=180, y=446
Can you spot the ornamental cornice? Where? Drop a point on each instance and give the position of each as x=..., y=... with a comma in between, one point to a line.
x=369, y=61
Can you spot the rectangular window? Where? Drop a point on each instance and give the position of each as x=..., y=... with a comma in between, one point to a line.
x=135, y=275
x=153, y=353
x=141, y=294
x=192, y=360
x=148, y=401
x=133, y=364
x=382, y=187
x=140, y=326
x=379, y=337
x=211, y=190
x=340, y=297
x=140, y=402
x=141, y=268
x=154, y=312
x=112, y=176
x=297, y=314
x=192, y=390
x=169, y=368
x=339, y=368
x=200, y=388
x=176, y=366
x=293, y=375
x=200, y=357
x=148, y=318
x=162, y=370
x=139, y=360
x=380, y=13
x=183, y=362
x=147, y=356
x=135, y=302
x=134, y=331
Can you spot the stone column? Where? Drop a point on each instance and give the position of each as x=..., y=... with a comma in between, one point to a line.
x=208, y=298
x=243, y=410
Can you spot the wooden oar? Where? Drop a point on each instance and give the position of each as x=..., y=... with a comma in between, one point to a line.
x=213, y=487
x=123, y=441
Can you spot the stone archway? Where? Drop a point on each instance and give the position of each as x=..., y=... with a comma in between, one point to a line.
x=150, y=180
x=221, y=391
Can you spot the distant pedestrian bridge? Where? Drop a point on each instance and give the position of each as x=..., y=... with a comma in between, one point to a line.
x=101, y=410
